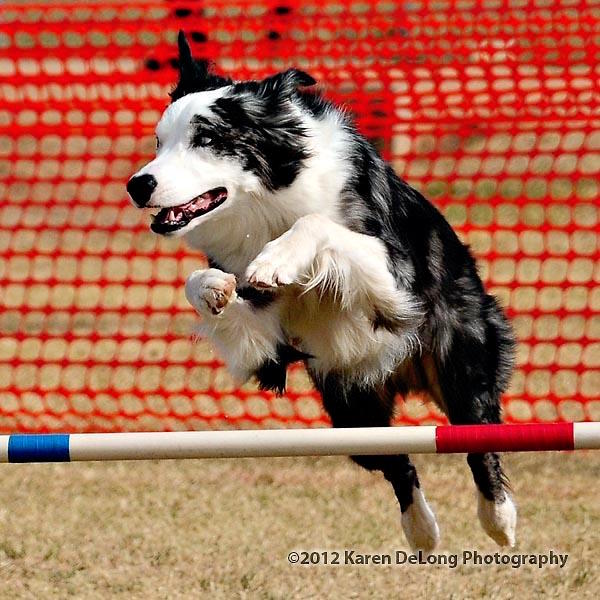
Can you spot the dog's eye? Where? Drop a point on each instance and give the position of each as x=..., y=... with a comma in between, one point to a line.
x=205, y=141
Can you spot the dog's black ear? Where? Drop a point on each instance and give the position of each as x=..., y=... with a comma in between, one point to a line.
x=194, y=75
x=286, y=83
x=186, y=62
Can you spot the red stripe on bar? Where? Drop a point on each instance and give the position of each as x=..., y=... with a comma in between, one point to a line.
x=504, y=438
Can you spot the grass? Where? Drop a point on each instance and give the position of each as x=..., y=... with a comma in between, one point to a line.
x=223, y=529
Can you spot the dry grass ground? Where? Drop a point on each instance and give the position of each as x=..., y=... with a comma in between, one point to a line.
x=223, y=529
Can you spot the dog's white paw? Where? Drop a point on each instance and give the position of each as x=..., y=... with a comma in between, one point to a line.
x=279, y=263
x=419, y=524
x=210, y=290
x=498, y=519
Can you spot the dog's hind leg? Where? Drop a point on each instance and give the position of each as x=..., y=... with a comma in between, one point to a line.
x=468, y=400
x=352, y=267
x=352, y=406
x=495, y=507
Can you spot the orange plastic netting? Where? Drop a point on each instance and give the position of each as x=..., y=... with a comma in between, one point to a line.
x=491, y=108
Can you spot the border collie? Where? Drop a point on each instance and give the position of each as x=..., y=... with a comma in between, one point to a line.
x=318, y=252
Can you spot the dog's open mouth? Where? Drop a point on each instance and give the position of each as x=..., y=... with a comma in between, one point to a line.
x=172, y=218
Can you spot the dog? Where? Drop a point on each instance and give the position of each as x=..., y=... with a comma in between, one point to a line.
x=318, y=252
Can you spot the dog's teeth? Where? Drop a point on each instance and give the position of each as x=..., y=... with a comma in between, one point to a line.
x=177, y=216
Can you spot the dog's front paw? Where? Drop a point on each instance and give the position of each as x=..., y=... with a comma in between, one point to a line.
x=210, y=290
x=276, y=265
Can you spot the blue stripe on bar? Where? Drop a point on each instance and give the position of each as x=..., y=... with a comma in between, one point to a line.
x=44, y=447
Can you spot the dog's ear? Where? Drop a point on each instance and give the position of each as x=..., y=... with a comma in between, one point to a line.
x=285, y=84
x=187, y=66
x=194, y=75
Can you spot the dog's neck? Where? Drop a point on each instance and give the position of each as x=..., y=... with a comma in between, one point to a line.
x=234, y=238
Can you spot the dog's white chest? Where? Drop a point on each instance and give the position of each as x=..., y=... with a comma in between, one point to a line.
x=338, y=339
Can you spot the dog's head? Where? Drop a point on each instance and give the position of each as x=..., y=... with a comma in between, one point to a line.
x=220, y=141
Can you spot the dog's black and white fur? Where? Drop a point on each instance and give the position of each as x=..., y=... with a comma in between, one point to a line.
x=319, y=252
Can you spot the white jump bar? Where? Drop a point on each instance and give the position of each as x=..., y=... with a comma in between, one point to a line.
x=297, y=442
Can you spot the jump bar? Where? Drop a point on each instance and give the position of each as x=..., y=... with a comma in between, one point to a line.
x=60, y=447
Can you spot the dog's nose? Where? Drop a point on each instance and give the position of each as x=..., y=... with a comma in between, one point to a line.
x=140, y=188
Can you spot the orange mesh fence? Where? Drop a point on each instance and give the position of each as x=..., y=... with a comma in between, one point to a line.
x=491, y=108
